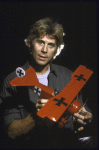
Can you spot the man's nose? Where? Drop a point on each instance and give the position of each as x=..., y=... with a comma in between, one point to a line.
x=44, y=49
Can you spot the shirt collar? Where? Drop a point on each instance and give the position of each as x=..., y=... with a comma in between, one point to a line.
x=52, y=68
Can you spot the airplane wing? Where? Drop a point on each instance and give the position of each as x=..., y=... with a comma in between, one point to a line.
x=58, y=104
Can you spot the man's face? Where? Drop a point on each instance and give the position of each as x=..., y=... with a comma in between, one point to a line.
x=43, y=50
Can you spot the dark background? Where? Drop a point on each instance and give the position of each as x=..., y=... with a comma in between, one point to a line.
x=79, y=20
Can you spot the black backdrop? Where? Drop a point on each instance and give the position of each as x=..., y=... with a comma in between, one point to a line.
x=79, y=20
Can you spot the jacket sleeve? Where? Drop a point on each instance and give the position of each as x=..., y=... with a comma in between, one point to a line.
x=8, y=103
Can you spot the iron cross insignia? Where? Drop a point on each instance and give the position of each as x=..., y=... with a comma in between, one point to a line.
x=80, y=77
x=37, y=90
x=20, y=72
x=61, y=101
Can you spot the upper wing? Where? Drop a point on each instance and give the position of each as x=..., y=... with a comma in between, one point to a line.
x=57, y=105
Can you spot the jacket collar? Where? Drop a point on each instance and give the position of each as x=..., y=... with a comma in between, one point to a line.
x=52, y=68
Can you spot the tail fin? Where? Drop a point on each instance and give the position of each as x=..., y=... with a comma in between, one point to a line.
x=30, y=79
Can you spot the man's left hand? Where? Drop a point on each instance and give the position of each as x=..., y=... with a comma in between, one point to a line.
x=84, y=117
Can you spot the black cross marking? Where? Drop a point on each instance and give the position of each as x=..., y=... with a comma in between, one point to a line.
x=60, y=101
x=80, y=77
x=37, y=90
x=20, y=72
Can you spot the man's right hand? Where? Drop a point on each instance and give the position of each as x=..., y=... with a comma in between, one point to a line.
x=40, y=103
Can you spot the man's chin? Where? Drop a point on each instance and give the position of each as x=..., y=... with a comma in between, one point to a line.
x=39, y=63
x=42, y=63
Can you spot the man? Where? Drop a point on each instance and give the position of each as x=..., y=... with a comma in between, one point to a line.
x=21, y=104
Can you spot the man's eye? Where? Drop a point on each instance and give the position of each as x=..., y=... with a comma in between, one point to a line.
x=51, y=45
x=40, y=42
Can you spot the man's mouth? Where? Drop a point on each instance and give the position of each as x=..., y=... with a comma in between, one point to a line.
x=42, y=57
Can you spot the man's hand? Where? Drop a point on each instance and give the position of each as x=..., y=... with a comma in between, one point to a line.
x=83, y=117
x=40, y=103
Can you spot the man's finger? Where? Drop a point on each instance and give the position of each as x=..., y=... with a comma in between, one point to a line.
x=80, y=129
x=39, y=105
x=40, y=101
x=81, y=122
x=44, y=101
x=78, y=116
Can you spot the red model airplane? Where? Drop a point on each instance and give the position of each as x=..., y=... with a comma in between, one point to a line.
x=59, y=107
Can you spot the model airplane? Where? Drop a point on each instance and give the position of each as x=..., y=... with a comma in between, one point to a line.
x=60, y=105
